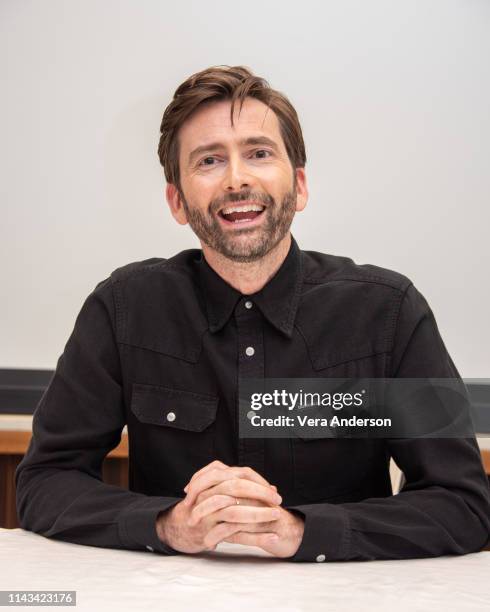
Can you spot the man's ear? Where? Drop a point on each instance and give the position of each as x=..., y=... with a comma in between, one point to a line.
x=301, y=189
x=175, y=204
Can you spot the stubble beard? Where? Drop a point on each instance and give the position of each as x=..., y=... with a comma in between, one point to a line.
x=262, y=239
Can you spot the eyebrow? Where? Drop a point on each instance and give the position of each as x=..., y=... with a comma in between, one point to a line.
x=215, y=146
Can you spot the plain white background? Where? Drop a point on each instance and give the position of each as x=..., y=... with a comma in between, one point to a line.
x=393, y=97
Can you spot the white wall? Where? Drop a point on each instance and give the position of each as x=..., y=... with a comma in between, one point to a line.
x=394, y=99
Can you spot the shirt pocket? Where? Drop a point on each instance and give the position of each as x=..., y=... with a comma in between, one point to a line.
x=172, y=429
x=325, y=468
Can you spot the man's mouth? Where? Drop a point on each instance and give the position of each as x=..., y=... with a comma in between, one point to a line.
x=241, y=213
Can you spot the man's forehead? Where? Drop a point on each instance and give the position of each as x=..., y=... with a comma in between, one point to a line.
x=214, y=118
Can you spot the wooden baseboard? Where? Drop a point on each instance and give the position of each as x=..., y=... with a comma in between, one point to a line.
x=16, y=443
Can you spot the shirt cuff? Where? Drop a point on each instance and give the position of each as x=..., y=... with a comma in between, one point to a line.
x=326, y=536
x=137, y=525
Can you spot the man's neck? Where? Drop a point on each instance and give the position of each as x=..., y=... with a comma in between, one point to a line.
x=248, y=278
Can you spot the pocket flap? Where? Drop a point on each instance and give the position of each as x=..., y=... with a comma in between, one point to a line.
x=173, y=407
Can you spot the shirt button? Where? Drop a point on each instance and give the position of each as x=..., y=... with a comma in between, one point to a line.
x=248, y=304
x=171, y=416
x=250, y=351
x=149, y=548
x=320, y=558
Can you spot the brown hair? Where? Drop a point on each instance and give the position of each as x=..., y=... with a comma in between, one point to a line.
x=225, y=83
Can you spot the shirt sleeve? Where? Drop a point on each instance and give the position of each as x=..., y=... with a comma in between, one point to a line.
x=444, y=505
x=79, y=419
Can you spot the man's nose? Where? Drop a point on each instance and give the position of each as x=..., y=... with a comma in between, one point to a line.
x=237, y=175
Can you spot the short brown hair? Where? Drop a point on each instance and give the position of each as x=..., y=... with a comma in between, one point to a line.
x=225, y=83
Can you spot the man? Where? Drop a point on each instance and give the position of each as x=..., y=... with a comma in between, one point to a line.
x=161, y=345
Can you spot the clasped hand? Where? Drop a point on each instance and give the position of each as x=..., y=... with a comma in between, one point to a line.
x=230, y=504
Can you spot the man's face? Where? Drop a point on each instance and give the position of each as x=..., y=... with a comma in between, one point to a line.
x=226, y=170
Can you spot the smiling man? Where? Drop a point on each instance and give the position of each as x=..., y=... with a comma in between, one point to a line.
x=160, y=346
x=246, y=221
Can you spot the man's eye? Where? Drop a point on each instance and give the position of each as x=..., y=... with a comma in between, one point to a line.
x=205, y=159
x=263, y=151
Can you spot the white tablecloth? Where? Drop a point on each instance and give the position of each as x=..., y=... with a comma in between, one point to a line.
x=235, y=578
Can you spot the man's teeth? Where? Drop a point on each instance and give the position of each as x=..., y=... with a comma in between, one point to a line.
x=244, y=208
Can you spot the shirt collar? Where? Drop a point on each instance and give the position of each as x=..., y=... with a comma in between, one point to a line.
x=277, y=300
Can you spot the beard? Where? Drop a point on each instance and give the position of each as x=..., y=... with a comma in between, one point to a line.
x=244, y=244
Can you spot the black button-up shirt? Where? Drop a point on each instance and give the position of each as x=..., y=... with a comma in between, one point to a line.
x=160, y=346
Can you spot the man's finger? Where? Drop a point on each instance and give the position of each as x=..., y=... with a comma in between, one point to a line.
x=237, y=488
x=265, y=540
x=215, y=476
x=244, y=501
x=266, y=526
x=218, y=533
x=208, y=506
x=242, y=471
x=214, y=464
x=241, y=488
x=246, y=514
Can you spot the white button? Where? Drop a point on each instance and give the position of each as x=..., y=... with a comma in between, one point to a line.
x=320, y=558
x=171, y=416
x=149, y=548
x=248, y=304
x=250, y=350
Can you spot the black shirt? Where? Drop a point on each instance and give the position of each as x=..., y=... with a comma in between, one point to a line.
x=160, y=345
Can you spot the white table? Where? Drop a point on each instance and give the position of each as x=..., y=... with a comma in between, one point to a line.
x=235, y=578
